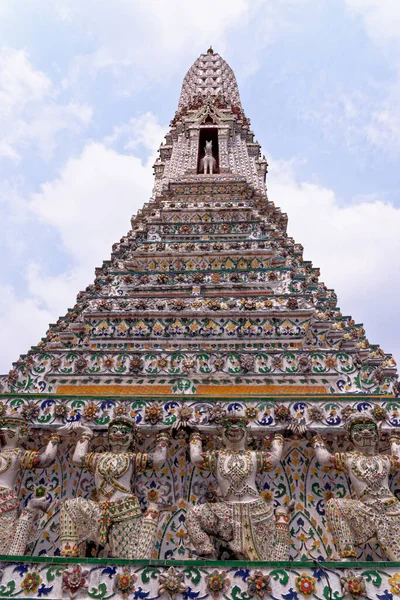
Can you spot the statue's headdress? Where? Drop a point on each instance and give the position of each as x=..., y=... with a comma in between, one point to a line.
x=232, y=419
x=125, y=421
x=357, y=418
x=376, y=416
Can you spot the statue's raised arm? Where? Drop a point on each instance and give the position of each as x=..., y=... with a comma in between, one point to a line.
x=14, y=526
x=85, y=435
x=324, y=457
x=159, y=455
x=196, y=450
x=242, y=520
x=394, y=442
x=267, y=460
x=115, y=518
x=374, y=511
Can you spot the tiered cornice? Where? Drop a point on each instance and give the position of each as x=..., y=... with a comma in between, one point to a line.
x=207, y=284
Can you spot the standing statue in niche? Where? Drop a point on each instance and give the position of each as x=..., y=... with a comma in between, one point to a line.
x=116, y=516
x=242, y=518
x=15, y=528
x=374, y=512
x=208, y=162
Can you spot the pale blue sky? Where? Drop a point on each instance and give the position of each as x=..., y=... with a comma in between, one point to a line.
x=87, y=90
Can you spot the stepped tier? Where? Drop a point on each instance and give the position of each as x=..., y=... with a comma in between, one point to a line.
x=207, y=284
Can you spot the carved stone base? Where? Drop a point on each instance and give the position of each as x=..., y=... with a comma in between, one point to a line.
x=57, y=578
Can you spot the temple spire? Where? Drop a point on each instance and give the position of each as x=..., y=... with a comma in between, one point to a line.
x=210, y=110
x=210, y=75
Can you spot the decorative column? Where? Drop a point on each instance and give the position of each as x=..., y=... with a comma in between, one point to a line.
x=223, y=135
x=194, y=133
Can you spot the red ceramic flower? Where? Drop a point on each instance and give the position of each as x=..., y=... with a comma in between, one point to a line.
x=74, y=580
x=124, y=582
x=282, y=413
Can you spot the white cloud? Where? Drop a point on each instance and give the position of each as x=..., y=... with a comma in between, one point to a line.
x=140, y=43
x=142, y=131
x=89, y=206
x=360, y=119
x=20, y=84
x=380, y=123
x=147, y=40
x=92, y=200
x=7, y=151
x=383, y=129
x=356, y=246
x=381, y=19
x=22, y=321
x=30, y=115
